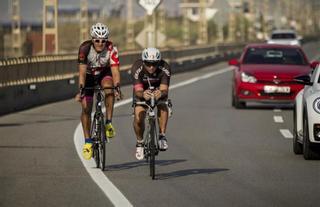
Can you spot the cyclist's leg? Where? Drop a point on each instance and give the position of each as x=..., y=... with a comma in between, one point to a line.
x=138, y=121
x=109, y=102
x=86, y=104
x=163, y=120
x=138, y=125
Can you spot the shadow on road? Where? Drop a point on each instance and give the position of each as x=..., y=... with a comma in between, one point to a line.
x=130, y=165
x=188, y=172
x=258, y=106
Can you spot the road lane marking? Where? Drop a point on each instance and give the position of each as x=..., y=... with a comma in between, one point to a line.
x=195, y=79
x=109, y=189
x=286, y=133
x=278, y=119
x=277, y=110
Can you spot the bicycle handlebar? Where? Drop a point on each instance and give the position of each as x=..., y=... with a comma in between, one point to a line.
x=145, y=103
x=99, y=88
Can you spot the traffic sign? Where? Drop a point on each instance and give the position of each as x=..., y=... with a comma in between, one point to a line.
x=146, y=38
x=149, y=5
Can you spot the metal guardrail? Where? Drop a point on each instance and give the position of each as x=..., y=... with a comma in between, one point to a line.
x=27, y=70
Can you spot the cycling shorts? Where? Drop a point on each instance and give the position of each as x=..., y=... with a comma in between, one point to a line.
x=92, y=80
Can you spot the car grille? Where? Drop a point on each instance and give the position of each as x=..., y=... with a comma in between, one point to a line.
x=276, y=94
x=267, y=82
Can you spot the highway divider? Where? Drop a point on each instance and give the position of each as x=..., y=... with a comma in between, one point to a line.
x=31, y=81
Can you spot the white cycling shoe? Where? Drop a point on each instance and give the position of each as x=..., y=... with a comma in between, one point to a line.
x=139, y=151
x=163, y=143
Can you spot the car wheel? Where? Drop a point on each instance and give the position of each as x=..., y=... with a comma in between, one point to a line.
x=233, y=99
x=236, y=103
x=308, y=152
x=297, y=147
x=239, y=104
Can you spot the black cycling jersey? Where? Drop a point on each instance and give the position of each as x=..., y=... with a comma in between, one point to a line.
x=143, y=79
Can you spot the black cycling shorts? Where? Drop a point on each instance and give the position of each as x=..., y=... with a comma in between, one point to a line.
x=92, y=80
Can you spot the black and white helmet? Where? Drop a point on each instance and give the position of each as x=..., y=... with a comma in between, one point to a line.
x=99, y=31
x=151, y=54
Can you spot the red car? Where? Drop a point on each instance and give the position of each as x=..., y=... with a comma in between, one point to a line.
x=265, y=73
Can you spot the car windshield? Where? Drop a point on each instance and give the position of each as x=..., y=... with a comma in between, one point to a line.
x=283, y=36
x=279, y=56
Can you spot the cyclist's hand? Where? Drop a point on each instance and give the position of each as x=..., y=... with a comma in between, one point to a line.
x=157, y=94
x=117, y=93
x=147, y=95
x=78, y=97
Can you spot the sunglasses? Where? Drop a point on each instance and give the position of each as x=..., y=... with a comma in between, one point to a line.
x=100, y=41
x=149, y=64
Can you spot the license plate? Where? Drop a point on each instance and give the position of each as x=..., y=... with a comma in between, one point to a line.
x=276, y=89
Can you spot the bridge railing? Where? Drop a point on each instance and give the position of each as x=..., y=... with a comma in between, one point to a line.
x=27, y=70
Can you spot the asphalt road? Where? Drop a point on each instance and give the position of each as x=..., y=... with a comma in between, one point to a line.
x=218, y=156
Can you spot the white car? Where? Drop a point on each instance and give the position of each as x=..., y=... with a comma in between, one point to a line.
x=306, y=130
x=285, y=37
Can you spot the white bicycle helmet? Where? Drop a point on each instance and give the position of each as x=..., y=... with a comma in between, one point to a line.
x=100, y=31
x=151, y=54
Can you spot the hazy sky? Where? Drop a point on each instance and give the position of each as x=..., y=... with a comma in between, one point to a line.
x=31, y=10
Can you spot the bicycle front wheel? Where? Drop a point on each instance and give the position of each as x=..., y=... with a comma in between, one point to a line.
x=93, y=135
x=102, y=146
x=152, y=149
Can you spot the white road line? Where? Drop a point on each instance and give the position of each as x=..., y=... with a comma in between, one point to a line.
x=195, y=79
x=277, y=110
x=110, y=190
x=278, y=119
x=286, y=133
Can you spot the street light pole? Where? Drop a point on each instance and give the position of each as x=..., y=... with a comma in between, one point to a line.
x=84, y=22
x=16, y=28
x=129, y=29
x=203, y=28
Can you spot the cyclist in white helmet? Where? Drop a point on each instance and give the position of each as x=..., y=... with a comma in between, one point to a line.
x=98, y=64
x=150, y=70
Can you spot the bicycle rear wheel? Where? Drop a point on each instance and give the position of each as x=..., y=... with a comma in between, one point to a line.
x=152, y=148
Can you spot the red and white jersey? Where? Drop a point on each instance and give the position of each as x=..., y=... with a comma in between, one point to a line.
x=97, y=61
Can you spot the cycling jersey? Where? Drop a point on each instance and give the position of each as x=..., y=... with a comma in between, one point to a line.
x=143, y=79
x=97, y=61
x=98, y=64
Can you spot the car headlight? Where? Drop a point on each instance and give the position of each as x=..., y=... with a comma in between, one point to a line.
x=316, y=105
x=247, y=78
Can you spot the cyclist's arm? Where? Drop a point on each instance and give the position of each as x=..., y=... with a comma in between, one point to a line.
x=140, y=93
x=84, y=50
x=114, y=64
x=165, y=81
x=115, y=75
x=82, y=75
x=164, y=89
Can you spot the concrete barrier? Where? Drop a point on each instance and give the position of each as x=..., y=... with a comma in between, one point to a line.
x=49, y=82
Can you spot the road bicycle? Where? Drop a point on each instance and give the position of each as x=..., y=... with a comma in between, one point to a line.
x=97, y=130
x=151, y=136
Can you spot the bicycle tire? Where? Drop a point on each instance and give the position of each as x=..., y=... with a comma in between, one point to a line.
x=96, y=155
x=94, y=146
x=102, y=145
x=152, y=148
